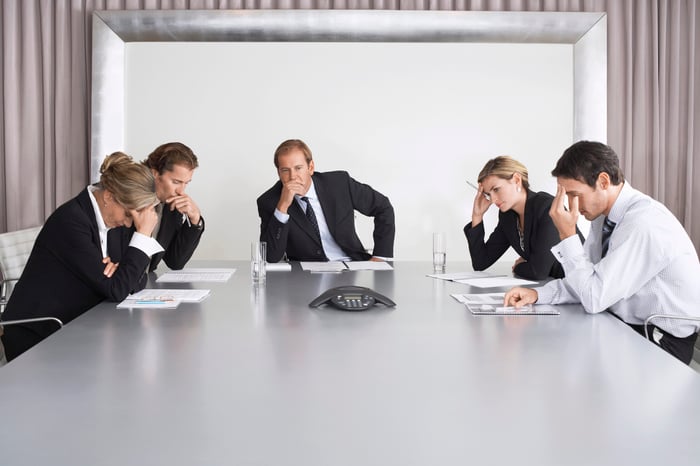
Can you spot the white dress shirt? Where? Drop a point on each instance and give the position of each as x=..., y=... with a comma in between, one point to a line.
x=144, y=243
x=651, y=267
x=330, y=247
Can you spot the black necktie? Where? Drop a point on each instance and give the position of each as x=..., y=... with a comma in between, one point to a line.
x=608, y=227
x=311, y=217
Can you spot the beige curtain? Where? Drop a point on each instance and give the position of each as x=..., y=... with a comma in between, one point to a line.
x=653, y=90
x=45, y=66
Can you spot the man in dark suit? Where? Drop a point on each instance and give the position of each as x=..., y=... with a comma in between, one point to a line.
x=181, y=223
x=310, y=216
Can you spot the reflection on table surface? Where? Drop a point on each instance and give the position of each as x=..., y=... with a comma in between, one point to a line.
x=252, y=375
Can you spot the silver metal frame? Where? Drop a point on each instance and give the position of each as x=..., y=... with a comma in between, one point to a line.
x=587, y=32
x=648, y=320
x=32, y=320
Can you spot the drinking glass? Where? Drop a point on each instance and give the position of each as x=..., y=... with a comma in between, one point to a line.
x=439, y=252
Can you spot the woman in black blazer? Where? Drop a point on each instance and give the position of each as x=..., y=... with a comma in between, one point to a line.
x=72, y=267
x=523, y=222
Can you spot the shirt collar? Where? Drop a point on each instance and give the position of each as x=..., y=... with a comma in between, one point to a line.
x=621, y=203
x=311, y=193
x=98, y=215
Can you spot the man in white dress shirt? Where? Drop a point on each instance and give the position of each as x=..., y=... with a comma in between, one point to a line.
x=646, y=265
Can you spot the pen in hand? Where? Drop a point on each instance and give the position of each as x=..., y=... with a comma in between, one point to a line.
x=488, y=197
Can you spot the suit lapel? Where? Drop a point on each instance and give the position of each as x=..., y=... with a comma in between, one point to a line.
x=528, y=218
x=165, y=218
x=327, y=202
x=86, y=206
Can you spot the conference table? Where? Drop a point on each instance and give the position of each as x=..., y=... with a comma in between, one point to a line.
x=254, y=376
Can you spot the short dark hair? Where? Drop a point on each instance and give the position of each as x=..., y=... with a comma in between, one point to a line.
x=585, y=160
x=292, y=144
x=167, y=155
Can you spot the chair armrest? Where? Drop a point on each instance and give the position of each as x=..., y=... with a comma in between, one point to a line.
x=28, y=321
x=665, y=316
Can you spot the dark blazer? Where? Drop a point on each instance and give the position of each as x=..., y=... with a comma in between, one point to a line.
x=339, y=195
x=64, y=274
x=178, y=238
x=540, y=236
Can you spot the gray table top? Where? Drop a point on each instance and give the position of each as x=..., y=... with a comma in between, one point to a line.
x=253, y=376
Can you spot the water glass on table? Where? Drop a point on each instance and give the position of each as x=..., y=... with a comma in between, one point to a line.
x=258, y=261
x=439, y=252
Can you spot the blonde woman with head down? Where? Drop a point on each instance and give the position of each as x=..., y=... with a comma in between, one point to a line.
x=523, y=222
x=73, y=266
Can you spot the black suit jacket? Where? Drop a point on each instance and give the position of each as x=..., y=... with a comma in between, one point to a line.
x=540, y=236
x=64, y=274
x=178, y=238
x=339, y=195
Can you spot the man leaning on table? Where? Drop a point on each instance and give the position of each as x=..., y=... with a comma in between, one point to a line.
x=310, y=215
x=181, y=224
x=637, y=260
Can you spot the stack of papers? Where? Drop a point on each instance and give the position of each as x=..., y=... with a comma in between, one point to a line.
x=196, y=275
x=278, y=267
x=162, y=299
x=368, y=265
x=493, y=282
x=338, y=266
x=492, y=304
x=462, y=275
x=331, y=266
x=483, y=279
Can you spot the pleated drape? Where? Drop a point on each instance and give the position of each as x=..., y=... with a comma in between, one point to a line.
x=45, y=60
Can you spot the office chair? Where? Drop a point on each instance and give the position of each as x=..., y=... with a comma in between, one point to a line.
x=665, y=316
x=670, y=316
x=29, y=321
x=3, y=361
x=15, y=247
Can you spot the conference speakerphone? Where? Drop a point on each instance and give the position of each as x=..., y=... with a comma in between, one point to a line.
x=351, y=298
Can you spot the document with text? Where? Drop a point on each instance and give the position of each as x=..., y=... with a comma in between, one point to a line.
x=492, y=304
x=368, y=265
x=462, y=275
x=185, y=296
x=494, y=282
x=196, y=275
x=330, y=266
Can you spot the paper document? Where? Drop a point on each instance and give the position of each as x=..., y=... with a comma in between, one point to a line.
x=493, y=282
x=185, y=296
x=129, y=303
x=368, y=265
x=492, y=304
x=196, y=275
x=331, y=266
x=462, y=275
x=278, y=267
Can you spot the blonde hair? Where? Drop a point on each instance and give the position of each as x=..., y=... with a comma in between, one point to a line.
x=504, y=167
x=132, y=184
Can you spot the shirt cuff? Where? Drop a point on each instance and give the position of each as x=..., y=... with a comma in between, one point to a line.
x=146, y=244
x=283, y=218
x=568, y=249
x=545, y=294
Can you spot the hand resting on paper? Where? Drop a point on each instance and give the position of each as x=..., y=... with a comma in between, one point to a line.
x=519, y=297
